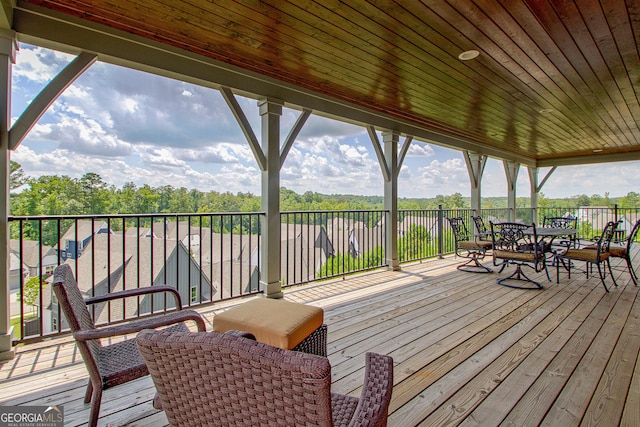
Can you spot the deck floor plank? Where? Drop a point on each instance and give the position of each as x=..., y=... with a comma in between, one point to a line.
x=466, y=351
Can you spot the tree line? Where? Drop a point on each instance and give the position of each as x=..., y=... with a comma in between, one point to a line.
x=90, y=194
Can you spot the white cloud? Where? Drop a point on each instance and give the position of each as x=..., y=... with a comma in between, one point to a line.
x=127, y=125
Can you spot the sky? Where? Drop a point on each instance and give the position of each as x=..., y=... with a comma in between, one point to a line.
x=130, y=126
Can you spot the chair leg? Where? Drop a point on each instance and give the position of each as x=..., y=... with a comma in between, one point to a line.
x=95, y=407
x=613, y=277
x=518, y=274
x=601, y=273
x=89, y=392
x=546, y=271
x=473, y=266
x=632, y=272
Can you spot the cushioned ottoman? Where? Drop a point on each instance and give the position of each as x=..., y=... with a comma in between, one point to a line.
x=279, y=323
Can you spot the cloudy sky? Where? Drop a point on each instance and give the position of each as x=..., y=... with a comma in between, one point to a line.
x=128, y=126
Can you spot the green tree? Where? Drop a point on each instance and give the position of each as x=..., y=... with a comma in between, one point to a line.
x=94, y=193
x=31, y=290
x=16, y=176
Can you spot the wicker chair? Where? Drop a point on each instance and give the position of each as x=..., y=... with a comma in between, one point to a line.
x=214, y=379
x=517, y=244
x=595, y=254
x=120, y=362
x=468, y=247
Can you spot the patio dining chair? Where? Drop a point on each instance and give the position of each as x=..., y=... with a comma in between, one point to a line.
x=626, y=251
x=223, y=379
x=598, y=253
x=119, y=362
x=517, y=244
x=468, y=247
x=481, y=229
x=561, y=222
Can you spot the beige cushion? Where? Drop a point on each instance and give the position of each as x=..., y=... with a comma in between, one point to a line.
x=275, y=322
x=618, y=251
x=485, y=243
x=518, y=256
x=466, y=244
x=585, y=254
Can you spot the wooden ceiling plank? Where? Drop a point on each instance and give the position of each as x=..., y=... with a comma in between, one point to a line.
x=578, y=92
x=502, y=101
x=555, y=20
x=481, y=23
x=399, y=58
x=602, y=53
x=616, y=42
x=506, y=30
x=452, y=15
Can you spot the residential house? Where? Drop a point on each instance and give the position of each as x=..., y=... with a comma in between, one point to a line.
x=38, y=260
x=77, y=237
x=112, y=262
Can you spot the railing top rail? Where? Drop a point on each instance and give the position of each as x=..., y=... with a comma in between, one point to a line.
x=333, y=211
x=105, y=216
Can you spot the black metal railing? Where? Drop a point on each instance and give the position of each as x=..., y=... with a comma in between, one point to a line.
x=206, y=257
x=216, y=256
x=319, y=245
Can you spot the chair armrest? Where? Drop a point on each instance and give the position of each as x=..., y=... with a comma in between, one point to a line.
x=140, y=324
x=240, y=334
x=135, y=292
x=373, y=406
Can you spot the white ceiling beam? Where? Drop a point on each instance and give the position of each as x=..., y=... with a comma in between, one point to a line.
x=48, y=96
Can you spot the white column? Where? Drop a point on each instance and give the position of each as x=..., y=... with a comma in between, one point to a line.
x=270, y=111
x=475, y=167
x=533, y=182
x=390, y=140
x=511, y=169
x=8, y=46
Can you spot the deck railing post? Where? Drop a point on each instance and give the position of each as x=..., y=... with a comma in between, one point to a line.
x=440, y=231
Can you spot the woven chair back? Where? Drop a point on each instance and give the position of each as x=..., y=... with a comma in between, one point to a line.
x=72, y=303
x=220, y=379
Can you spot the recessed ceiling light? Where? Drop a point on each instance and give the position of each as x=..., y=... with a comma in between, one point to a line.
x=598, y=150
x=469, y=54
x=546, y=110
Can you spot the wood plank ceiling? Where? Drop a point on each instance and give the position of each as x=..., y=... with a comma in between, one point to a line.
x=554, y=79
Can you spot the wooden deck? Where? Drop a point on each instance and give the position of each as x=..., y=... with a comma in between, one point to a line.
x=466, y=351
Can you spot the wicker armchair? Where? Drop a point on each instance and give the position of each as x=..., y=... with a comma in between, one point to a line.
x=120, y=362
x=213, y=379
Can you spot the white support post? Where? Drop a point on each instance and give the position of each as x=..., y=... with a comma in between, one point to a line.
x=270, y=112
x=8, y=45
x=390, y=140
x=475, y=167
x=511, y=169
x=533, y=182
